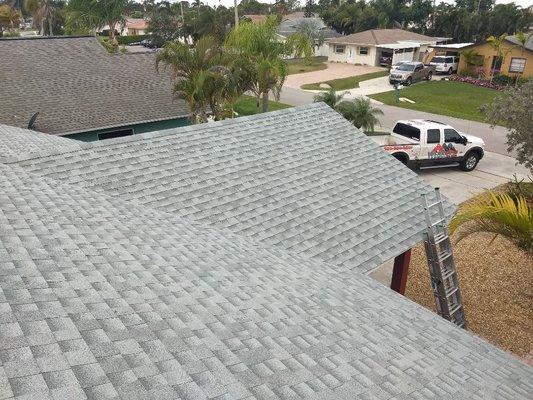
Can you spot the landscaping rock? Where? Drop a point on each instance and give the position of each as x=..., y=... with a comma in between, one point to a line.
x=324, y=86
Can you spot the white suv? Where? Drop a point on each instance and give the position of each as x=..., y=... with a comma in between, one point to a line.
x=445, y=64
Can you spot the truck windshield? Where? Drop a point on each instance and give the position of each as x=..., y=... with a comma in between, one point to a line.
x=407, y=131
x=438, y=60
x=405, y=67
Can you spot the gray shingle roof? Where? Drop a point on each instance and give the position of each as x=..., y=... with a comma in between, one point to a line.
x=105, y=298
x=16, y=141
x=304, y=179
x=381, y=36
x=75, y=85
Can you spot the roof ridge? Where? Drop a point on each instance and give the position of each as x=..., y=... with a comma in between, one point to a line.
x=374, y=36
x=154, y=134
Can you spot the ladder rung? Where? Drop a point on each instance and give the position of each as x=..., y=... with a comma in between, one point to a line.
x=447, y=274
x=440, y=221
x=439, y=238
x=454, y=309
x=452, y=291
x=443, y=255
x=433, y=204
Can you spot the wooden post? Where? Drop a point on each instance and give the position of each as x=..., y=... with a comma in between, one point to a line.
x=400, y=271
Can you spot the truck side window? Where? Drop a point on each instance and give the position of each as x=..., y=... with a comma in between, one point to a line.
x=433, y=136
x=407, y=131
x=451, y=136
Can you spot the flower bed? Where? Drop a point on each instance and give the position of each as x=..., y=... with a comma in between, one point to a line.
x=478, y=82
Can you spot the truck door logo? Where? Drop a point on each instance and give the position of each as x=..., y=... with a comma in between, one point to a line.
x=443, y=151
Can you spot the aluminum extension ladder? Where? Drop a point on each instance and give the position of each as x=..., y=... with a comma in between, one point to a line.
x=442, y=269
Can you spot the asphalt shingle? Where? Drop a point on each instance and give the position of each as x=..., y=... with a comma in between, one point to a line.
x=303, y=179
x=76, y=86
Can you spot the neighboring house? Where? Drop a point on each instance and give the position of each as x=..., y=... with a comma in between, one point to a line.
x=130, y=27
x=77, y=89
x=291, y=22
x=371, y=46
x=255, y=18
x=516, y=61
x=223, y=260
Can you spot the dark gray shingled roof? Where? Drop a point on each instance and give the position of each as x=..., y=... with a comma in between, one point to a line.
x=76, y=86
x=304, y=179
x=102, y=297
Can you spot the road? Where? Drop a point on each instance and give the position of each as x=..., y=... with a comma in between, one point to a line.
x=495, y=138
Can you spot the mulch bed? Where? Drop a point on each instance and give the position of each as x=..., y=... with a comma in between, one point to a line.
x=496, y=281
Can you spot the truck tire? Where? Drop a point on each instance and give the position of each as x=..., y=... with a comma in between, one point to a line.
x=408, y=81
x=450, y=71
x=470, y=161
x=430, y=75
x=401, y=157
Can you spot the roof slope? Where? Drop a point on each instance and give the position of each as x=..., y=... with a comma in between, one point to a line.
x=381, y=36
x=528, y=44
x=288, y=27
x=16, y=141
x=108, y=299
x=75, y=85
x=304, y=179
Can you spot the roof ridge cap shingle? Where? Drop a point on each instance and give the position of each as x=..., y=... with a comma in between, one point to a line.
x=155, y=134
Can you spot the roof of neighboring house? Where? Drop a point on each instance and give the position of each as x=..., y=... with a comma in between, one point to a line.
x=288, y=27
x=277, y=177
x=375, y=37
x=528, y=44
x=104, y=296
x=136, y=23
x=297, y=15
x=76, y=85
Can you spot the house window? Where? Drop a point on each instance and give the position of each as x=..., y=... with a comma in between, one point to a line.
x=517, y=65
x=115, y=134
x=363, y=51
x=339, y=48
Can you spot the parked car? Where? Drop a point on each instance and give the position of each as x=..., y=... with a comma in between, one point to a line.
x=385, y=61
x=445, y=64
x=425, y=144
x=149, y=43
x=409, y=72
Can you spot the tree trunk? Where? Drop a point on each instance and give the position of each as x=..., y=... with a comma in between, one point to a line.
x=236, y=15
x=112, y=36
x=50, y=26
x=265, y=101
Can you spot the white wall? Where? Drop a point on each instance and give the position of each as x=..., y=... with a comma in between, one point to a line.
x=351, y=55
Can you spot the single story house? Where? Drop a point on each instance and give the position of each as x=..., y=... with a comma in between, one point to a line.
x=130, y=27
x=222, y=260
x=72, y=86
x=517, y=59
x=380, y=46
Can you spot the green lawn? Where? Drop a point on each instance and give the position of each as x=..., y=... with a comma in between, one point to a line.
x=247, y=106
x=351, y=82
x=299, y=65
x=455, y=99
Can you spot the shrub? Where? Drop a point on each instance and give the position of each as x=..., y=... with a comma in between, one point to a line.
x=478, y=82
x=125, y=40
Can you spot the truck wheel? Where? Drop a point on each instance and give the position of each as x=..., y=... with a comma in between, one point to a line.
x=450, y=71
x=402, y=157
x=430, y=75
x=408, y=81
x=469, y=162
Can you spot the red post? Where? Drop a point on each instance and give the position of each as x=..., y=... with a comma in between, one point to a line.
x=400, y=271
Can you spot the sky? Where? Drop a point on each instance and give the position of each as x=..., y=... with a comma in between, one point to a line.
x=523, y=3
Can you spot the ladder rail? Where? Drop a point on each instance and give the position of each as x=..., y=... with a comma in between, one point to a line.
x=441, y=264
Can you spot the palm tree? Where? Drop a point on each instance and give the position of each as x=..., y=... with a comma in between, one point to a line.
x=258, y=43
x=496, y=213
x=331, y=98
x=9, y=18
x=496, y=42
x=43, y=12
x=360, y=112
x=198, y=73
x=95, y=14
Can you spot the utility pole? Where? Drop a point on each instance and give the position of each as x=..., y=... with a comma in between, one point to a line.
x=236, y=14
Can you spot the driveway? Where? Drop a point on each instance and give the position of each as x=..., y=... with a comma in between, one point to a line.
x=333, y=71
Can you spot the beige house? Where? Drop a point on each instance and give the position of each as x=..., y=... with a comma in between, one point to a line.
x=130, y=27
x=380, y=46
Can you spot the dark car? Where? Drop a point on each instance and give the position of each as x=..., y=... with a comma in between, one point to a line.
x=149, y=43
x=385, y=61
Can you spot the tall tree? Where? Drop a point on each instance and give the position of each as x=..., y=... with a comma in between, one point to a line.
x=360, y=112
x=95, y=14
x=10, y=18
x=496, y=42
x=43, y=13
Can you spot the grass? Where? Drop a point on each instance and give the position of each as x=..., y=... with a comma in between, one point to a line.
x=455, y=99
x=247, y=106
x=350, y=82
x=300, y=65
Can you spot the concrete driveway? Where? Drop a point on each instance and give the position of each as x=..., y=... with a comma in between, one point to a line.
x=333, y=71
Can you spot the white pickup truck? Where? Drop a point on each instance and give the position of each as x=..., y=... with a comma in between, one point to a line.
x=422, y=143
